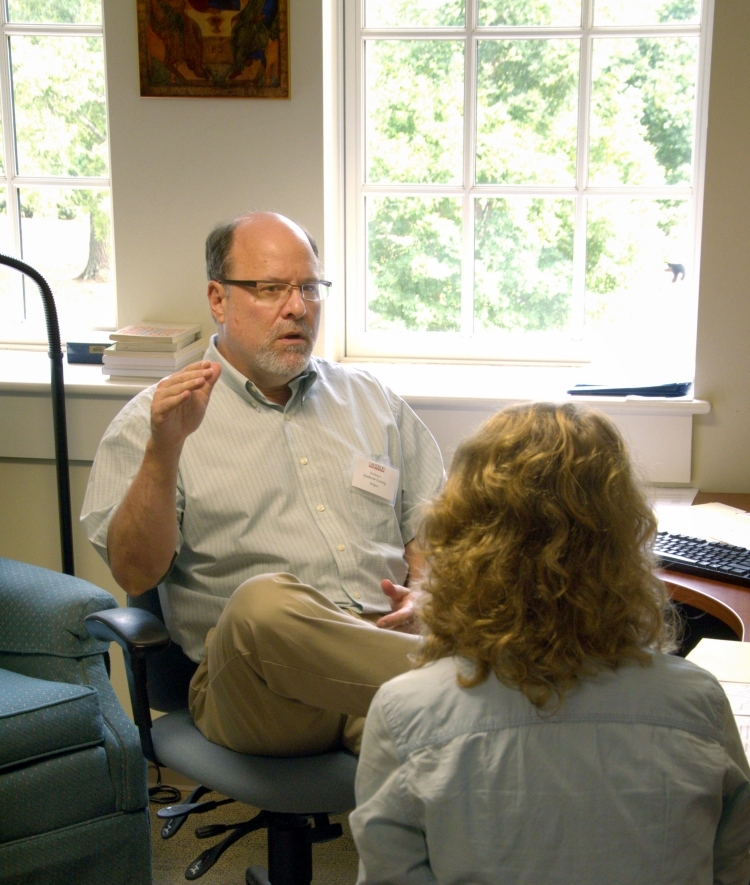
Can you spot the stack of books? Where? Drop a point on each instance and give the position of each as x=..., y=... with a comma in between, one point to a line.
x=153, y=350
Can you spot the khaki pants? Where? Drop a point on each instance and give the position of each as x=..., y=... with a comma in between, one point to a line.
x=286, y=672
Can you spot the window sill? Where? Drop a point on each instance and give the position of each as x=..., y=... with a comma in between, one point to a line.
x=425, y=385
x=480, y=387
x=28, y=371
x=451, y=399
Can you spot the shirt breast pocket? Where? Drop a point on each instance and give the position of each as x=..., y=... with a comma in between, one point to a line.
x=375, y=515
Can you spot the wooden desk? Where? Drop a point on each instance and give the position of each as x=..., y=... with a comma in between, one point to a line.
x=728, y=602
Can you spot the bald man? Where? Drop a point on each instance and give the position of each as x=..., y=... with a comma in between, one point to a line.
x=274, y=499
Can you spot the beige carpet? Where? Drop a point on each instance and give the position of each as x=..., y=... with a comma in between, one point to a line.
x=334, y=863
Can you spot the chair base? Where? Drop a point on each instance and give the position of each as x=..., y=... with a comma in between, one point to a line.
x=290, y=840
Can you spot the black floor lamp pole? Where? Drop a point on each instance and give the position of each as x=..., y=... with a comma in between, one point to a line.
x=58, y=409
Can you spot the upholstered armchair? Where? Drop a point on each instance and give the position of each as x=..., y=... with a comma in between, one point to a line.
x=73, y=785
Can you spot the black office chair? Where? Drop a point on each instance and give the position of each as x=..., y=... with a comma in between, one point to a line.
x=296, y=794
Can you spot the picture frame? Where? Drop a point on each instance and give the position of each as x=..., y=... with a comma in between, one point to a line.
x=214, y=48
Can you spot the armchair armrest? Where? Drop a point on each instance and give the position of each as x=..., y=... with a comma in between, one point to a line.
x=140, y=634
x=44, y=612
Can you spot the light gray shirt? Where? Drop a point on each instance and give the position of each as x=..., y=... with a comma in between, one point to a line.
x=639, y=779
x=268, y=488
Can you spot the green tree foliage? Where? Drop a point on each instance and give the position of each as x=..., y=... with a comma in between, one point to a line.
x=60, y=112
x=664, y=73
x=524, y=263
x=414, y=13
x=523, y=12
x=415, y=264
x=58, y=11
x=527, y=106
x=415, y=133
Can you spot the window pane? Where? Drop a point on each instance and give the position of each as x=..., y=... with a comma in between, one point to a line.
x=642, y=111
x=523, y=263
x=637, y=277
x=11, y=291
x=529, y=12
x=65, y=235
x=527, y=111
x=414, y=108
x=414, y=264
x=645, y=12
x=413, y=13
x=65, y=11
x=58, y=91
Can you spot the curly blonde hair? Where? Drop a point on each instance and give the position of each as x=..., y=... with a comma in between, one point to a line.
x=539, y=557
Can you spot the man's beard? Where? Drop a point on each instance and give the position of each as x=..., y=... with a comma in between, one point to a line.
x=293, y=359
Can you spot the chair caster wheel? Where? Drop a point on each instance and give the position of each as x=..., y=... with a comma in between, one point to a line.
x=256, y=876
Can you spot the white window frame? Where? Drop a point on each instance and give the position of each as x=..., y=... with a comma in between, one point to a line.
x=9, y=179
x=542, y=348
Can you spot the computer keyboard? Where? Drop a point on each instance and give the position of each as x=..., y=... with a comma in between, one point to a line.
x=707, y=559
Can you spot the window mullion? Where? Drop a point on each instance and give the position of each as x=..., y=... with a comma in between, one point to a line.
x=9, y=154
x=578, y=302
x=470, y=128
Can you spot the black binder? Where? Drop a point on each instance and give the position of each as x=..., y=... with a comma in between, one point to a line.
x=676, y=388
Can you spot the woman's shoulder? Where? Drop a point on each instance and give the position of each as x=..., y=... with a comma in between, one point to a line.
x=429, y=706
x=666, y=691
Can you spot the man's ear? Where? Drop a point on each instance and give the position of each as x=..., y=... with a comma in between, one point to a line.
x=217, y=295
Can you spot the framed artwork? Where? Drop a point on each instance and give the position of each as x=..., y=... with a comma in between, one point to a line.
x=214, y=48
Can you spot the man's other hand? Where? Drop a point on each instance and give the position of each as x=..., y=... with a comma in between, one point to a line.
x=180, y=403
x=403, y=616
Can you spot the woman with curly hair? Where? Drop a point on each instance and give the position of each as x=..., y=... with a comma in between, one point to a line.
x=546, y=735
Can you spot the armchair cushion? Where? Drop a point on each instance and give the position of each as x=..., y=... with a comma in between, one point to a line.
x=44, y=611
x=40, y=718
x=55, y=793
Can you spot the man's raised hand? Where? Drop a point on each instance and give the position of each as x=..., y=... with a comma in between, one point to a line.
x=180, y=403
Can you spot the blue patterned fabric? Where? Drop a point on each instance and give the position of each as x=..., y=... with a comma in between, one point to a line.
x=73, y=786
x=43, y=611
x=105, y=851
x=127, y=767
x=55, y=793
x=39, y=718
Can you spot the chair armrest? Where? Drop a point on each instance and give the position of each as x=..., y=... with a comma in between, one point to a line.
x=43, y=612
x=138, y=632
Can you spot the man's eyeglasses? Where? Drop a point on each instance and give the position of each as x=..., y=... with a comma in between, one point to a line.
x=268, y=290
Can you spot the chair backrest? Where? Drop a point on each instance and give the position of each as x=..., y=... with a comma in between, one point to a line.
x=168, y=673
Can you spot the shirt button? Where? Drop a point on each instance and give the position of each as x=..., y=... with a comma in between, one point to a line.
x=288, y=417
x=303, y=461
x=355, y=595
x=341, y=547
x=320, y=508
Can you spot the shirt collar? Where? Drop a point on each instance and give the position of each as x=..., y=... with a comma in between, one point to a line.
x=245, y=388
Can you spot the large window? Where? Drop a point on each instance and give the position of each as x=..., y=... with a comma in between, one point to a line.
x=54, y=168
x=523, y=179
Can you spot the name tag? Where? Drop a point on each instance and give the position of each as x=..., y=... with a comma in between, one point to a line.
x=371, y=476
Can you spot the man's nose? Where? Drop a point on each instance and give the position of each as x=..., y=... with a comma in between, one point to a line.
x=295, y=303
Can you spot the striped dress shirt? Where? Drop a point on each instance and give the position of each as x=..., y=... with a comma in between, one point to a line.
x=268, y=488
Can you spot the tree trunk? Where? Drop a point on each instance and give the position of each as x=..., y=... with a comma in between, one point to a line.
x=97, y=266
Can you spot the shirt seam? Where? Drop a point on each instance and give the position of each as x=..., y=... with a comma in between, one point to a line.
x=480, y=727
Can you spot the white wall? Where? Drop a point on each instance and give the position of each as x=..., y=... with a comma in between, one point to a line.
x=180, y=165
x=721, y=439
